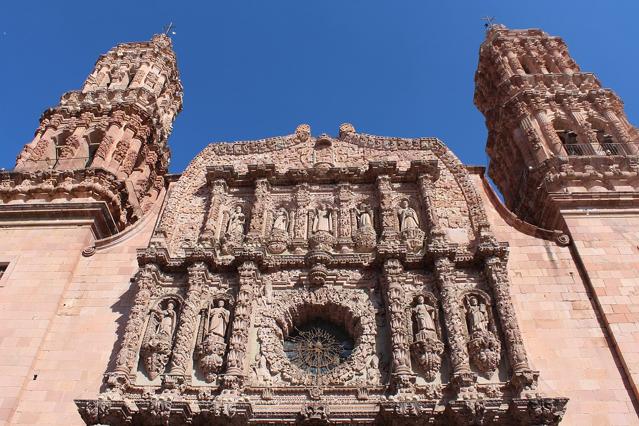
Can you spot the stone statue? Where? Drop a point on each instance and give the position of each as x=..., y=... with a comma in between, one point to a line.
x=323, y=219
x=235, y=225
x=407, y=217
x=364, y=216
x=372, y=368
x=213, y=346
x=281, y=220
x=218, y=320
x=156, y=349
x=260, y=368
x=166, y=321
x=477, y=316
x=423, y=314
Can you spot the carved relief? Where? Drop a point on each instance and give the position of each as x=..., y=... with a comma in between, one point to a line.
x=365, y=237
x=158, y=342
x=279, y=237
x=427, y=348
x=483, y=345
x=215, y=321
x=234, y=228
x=409, y=226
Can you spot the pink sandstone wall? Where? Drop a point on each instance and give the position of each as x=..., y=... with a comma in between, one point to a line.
x=562, y=334
x=59, y=318
x=607, y=244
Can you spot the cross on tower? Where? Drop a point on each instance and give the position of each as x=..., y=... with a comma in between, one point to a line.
x=169, y=29
x=490, y=21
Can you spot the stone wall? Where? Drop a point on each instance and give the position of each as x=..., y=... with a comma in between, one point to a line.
x=561, y=331
x=61, y=314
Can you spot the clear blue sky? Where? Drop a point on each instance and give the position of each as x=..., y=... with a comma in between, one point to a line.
x=253, y=69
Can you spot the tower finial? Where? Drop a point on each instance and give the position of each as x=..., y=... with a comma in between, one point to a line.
x=489, y=22
x=169, y=29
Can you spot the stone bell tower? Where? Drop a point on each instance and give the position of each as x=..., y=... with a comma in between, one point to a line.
x=556, y=139
x=565, y=157
x=104, y=146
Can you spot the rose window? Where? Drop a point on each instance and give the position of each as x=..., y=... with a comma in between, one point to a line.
x=318, y=347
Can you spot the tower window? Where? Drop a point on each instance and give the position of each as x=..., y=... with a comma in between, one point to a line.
x=569, y=141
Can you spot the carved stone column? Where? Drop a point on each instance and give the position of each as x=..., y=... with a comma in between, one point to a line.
x=258, y=212
x=463, y=378
x=497, y=276
x=248, y=281
x=425, y=182
x=218, y=190
x=389, y=219
x=394, y=298
x=125, y=362
x=187, y=327
x=302, y=199
x=344, y=196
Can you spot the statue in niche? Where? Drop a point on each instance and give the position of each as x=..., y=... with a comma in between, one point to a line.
x=423, y=314
x=371, y=366
x=280, y=222
x=365, y=236
x=260, y=368
x=156, y=347
x=476, y=316
x=407, y=217
x=234, y=230
x=212, y=345
x=484, y=348
x=279, y=238
x=409, y=226
x=322, y=228
x=427, y=348
x=323, y=219
x=236, y=223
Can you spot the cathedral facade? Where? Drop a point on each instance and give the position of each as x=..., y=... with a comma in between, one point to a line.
x=324, y=279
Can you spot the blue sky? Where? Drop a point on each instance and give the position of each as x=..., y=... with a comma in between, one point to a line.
x=253, y=69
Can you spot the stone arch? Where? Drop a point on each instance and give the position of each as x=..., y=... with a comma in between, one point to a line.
x=345, y=308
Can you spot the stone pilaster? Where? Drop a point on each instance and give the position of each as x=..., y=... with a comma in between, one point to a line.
x=302, y=200
x=258, y=212
x=248, y=281
x=218, y=192
x=462, y=377
x=389, y=218
x=497, y=277
x=188, y=324
x=344, y=197
x=125, y=362
x=395, y=300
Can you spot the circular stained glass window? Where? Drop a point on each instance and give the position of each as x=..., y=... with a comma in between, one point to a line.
x=318, y=346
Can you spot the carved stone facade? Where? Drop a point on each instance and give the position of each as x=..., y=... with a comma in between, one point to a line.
x=347, y=279
x=323, y=280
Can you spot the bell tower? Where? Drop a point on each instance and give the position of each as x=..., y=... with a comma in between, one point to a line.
x=556, y=139
x=107, y=143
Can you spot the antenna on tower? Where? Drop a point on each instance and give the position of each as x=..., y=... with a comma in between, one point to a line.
x=169, y=29
x=489, y=22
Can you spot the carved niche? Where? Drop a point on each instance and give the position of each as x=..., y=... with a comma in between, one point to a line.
x=158, y=339
x=322, y=220
x=427, y=347
x=365, y=236
x=409, y=225
x=484, y=348
x=234, y=223
x=212, y=339
x=279, y=236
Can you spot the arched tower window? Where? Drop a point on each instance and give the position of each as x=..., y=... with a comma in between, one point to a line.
x=94, y=138
x=568, y=138
x=607, y=143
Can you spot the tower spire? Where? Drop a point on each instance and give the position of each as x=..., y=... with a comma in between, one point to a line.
x=549, y=119
x=116, y=127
